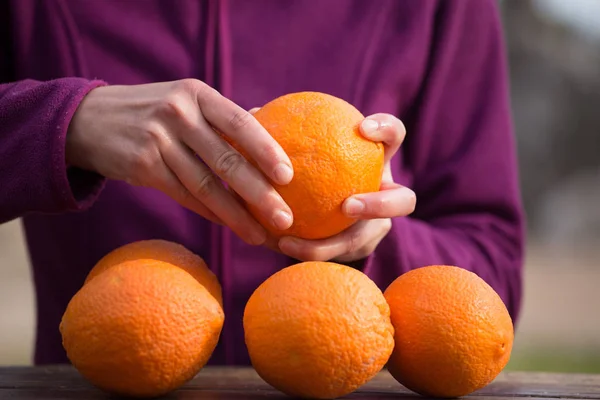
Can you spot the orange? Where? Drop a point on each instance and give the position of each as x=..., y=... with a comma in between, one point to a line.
x=141, y=328
x=161, y=250
x=453, y=333
x=331, y=161
x=318, y=330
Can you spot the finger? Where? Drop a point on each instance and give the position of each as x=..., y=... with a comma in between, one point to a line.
x=253, y=110
x=168, y=183
x=229, y=165
x=206, y=188
x=359, y=254
x=346, y=242
x=249, y=183
x=384, y=128
x=241, y=126
x=369, y=248
x=387, y=180
x=394, y=201
x=271, y=242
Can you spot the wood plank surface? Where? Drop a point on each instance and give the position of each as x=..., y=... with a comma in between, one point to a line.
x=64, y=382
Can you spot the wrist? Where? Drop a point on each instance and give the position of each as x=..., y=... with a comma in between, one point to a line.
x=78, y=153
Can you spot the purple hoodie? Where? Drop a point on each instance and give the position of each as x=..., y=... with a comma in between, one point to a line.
x=438, y=65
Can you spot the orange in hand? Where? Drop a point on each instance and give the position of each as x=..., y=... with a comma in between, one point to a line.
x=453, y=333
x=331, y=161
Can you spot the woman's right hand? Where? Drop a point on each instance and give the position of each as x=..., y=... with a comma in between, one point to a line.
x=161, y=135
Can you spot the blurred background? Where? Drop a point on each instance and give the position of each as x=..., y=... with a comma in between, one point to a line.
x=554, y=55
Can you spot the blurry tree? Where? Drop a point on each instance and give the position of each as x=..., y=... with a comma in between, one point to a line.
x=555, y=89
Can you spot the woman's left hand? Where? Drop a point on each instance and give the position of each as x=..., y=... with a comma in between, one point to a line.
x=373, y=210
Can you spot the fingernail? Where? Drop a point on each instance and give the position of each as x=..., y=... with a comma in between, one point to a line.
x=282, y=220
x=283, y=174
x=370, y=126
x=354, y=206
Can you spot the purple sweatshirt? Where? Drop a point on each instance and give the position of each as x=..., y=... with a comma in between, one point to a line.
x=439, y=65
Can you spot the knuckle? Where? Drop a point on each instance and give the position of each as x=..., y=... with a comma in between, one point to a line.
x=269, y=199
x=202, y=92
x=206, y=186
x=143, y=165
x=143, y=161
x=269, y=152
x=313, y=254
x=173, y=105
x=366, y=251
x=397, y=125
x=228, y=163
x=354, y=242
x=381, y=204
x=240, y=119
x=386, y=226
x=183, y=195
x=188, y=86
x=152, y=138
x=411, y=203
x=146, y=156
x=401, y=128
x=193, y=89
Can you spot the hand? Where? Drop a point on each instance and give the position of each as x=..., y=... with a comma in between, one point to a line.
x=374, y=210
x=162, y=135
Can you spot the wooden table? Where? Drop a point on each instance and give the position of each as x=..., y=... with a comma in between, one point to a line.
x=63, y=382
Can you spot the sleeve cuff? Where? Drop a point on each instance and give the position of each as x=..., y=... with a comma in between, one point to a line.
x=75, y=189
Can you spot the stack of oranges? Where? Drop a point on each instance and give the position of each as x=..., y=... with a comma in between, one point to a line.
x=146, y=320
x=149, y=315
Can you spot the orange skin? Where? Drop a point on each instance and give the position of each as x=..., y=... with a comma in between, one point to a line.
x=318, y=330
x=161, y=250
x=453, y=333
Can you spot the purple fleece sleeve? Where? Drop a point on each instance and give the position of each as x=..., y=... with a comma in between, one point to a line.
x=34, y=117
x=461, y=152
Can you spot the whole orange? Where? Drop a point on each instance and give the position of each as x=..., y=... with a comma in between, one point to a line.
x=141, y=328
x=161, y=250
x=318, y=330
x=453, y=333
x=331, y=160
